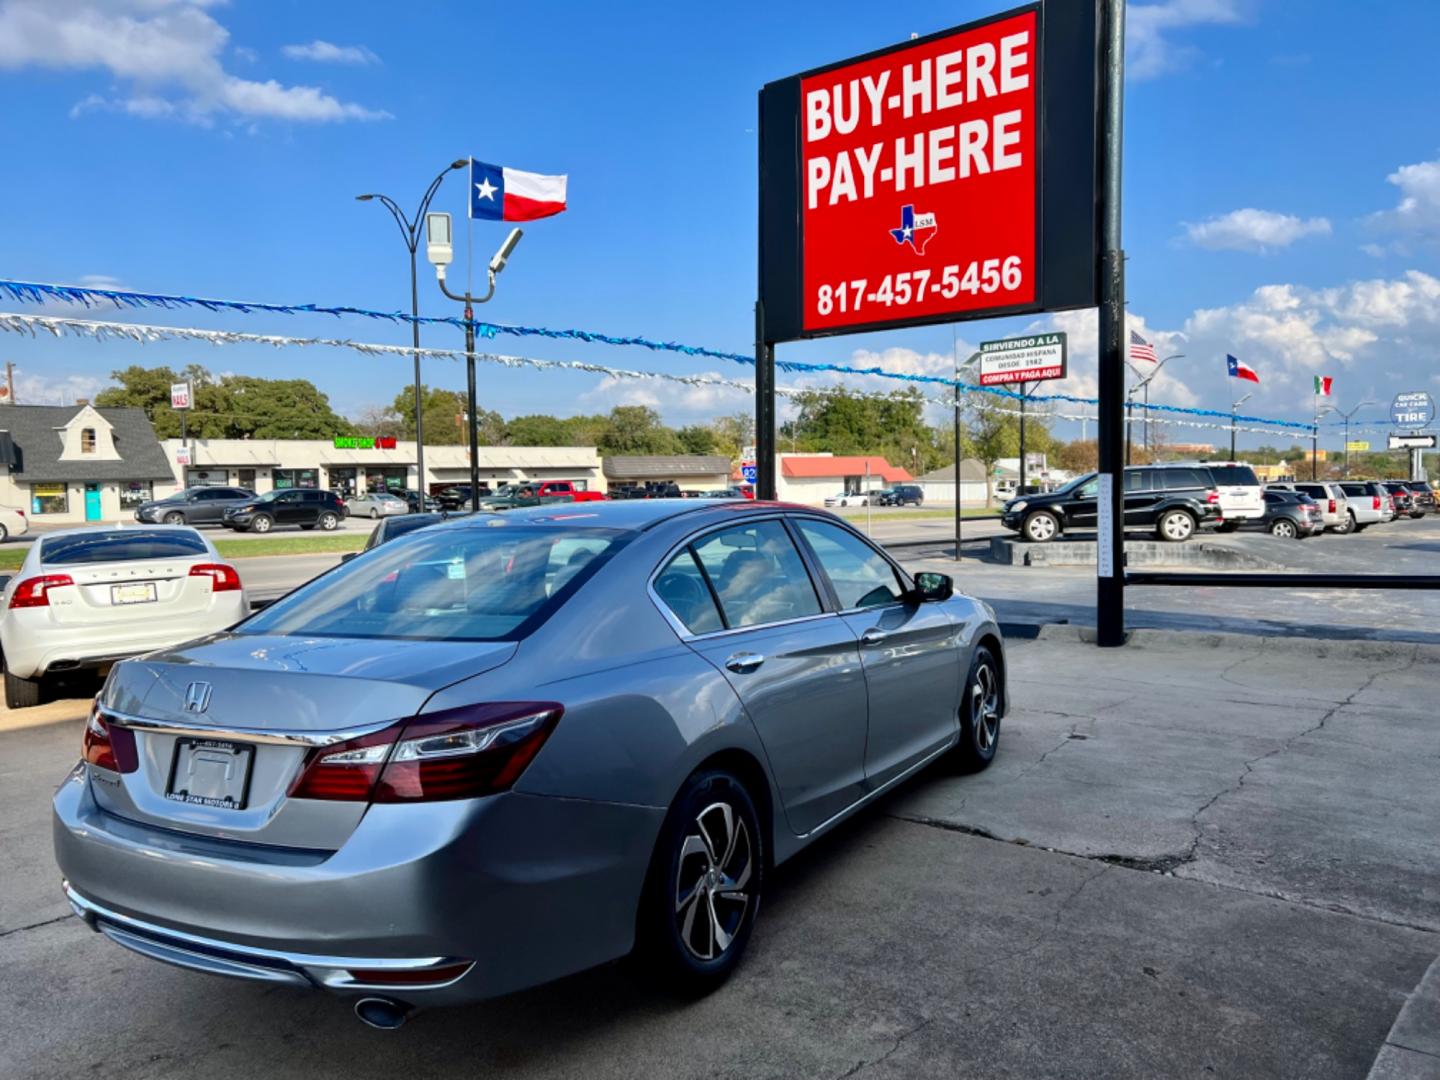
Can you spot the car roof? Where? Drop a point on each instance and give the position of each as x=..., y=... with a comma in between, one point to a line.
x=91, y=530
x=632, y=515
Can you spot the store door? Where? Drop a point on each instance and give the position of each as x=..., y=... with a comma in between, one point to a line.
x=92, y=502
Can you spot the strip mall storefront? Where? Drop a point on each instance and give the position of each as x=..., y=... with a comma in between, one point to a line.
x=356, y=465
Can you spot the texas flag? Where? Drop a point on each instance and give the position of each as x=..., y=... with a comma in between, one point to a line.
x=1240, y=370
x=501, y=194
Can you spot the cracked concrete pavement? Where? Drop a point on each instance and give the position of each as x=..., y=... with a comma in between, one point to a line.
x=1200, y=856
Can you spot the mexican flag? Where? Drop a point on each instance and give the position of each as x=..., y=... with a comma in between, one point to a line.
x=1323, y=384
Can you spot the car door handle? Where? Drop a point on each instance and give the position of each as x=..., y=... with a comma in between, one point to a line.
x=744, y=662
x=873, y=636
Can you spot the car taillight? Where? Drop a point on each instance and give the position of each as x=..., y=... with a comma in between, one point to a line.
x=35, y=591
x=108, y=747
x=457, y=754
x=223, y=578
x=1375, y=505
x=1212, y=497
x=1333, y=508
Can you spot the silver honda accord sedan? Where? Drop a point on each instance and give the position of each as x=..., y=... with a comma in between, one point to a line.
x=507, y=748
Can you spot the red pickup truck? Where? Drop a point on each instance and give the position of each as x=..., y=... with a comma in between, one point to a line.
x=563, y=489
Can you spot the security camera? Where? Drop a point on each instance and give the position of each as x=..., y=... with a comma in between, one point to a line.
x=498, y=262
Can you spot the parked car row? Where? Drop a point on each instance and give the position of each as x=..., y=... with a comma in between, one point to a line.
x=1178, y=499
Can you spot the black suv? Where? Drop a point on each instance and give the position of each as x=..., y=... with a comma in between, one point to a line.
x=1404, y=497
x=902, y=495
x=293, y=506
x=1174, y=500
x=193, y=506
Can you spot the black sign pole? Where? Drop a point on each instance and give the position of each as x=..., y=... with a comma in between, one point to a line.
x=764, y=409
x=1110, y=582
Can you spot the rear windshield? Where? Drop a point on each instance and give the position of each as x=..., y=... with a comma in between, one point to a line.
x=490, y=582
x=121, y=546
x=1234, y=475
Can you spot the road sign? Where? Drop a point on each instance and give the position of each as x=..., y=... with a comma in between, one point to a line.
x=180, y=395
x=1412, y=410
x=748, y=472
x=1022, y=360
x=909, y=185
x=1355, y=446
x=1412, y=442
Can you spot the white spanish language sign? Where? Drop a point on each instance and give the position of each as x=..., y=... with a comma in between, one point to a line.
x=1022, y=360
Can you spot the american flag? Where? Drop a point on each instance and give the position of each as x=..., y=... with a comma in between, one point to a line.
x=1140, y=349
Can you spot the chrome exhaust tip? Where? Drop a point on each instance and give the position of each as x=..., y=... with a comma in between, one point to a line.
x=381, y=1013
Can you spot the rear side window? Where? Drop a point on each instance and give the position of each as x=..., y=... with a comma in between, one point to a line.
x=681, y=587
x=1315, y=491
x=121, y=546
x=757, y=574
x=1137, y=480
x=1171, y=479
x=1234, y=475
x=862, y=577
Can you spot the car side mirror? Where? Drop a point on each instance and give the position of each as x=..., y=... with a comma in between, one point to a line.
x=931, y=586
x=348, y=556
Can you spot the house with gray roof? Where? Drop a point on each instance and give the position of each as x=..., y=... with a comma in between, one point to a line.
x=69, y=464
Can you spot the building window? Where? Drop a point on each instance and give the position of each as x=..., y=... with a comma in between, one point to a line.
x=383, y=479
x=135, y=492
x=296, y=478
x=87, y=440
x=49, y=499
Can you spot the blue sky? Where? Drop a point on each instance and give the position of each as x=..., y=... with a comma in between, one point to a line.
x=1282, y=184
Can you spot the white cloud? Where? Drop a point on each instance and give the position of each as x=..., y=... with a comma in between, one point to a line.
x=165, y=54
x=323, y=52
x=677, y=402
x=1418, y=211
x=1150, y=49
x=55, y=389
x=1249, y=229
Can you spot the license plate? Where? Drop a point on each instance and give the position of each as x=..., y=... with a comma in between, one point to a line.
x=210, y=772
x=142, y=592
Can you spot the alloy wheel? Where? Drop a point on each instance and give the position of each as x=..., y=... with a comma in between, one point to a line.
x=1284, y=529
x=1177, y=526
x=985, y=706
x=1041, y=527
x=716, y=860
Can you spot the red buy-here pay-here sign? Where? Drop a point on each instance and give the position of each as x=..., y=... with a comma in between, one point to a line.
x=919, y=174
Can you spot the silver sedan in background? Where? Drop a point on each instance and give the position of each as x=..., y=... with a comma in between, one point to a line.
x=376, y=504
x=506, y=748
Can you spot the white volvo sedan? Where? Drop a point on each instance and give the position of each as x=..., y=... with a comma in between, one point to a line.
x=85, y=597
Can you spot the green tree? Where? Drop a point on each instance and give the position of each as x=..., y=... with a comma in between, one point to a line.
x=537, y=430
x=637, y=429
x=228, y=407
x=698, y=439
x=845, y=423
x=443, y=412
x=733, y=434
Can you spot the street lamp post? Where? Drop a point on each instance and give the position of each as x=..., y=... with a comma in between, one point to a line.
x=440, y=253
x=1234, y=406
x=1347, y=416
x=1315, y=437
x=1143, y=384
x=410, y=230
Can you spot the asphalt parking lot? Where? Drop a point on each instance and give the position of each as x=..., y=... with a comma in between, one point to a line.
x=1198, y=856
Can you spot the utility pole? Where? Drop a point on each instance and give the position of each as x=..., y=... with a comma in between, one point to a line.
x=1234, y=406
x=9, y=383
x=1110, y=569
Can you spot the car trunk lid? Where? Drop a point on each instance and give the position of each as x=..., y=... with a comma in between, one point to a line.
x=223, y=726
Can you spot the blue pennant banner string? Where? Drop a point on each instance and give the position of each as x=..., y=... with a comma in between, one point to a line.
x=86, y=296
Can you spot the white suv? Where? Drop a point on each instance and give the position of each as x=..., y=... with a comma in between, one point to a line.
x=1242, y=498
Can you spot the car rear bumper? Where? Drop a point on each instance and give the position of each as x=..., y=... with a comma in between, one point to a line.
x=33, y=649
x=525, y=888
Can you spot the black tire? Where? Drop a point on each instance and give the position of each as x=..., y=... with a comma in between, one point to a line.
x=4, y=534
x=670, y=938
x=174, y=517
x=1347, y=527
x=262, y=523
x=980, y=712
x=21, y=693
x=1040, y=527
x=1284, y=528
x=329, y=521
x=374, y=513
x=1175, y=526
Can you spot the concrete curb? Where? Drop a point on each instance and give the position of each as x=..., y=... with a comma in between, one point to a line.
x=1200, y=553
x=1412, y=1049
x=1189, y=640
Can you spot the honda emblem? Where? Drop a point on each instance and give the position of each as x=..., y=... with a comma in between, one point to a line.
x=197, y=697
